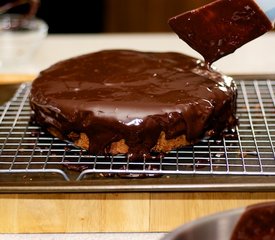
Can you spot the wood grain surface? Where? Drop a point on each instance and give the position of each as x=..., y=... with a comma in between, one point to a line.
x=114, y=212
x=15, y=78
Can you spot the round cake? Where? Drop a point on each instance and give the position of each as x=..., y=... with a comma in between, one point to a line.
x=131, y=102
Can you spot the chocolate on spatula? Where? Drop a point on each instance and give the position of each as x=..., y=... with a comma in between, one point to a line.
x=219, y=28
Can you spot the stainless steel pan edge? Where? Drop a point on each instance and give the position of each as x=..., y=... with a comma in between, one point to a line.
x=214, y=227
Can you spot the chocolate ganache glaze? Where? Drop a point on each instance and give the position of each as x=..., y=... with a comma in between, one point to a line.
x=133, y=98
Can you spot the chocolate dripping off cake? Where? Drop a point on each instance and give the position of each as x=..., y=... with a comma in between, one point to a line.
x=130, y=102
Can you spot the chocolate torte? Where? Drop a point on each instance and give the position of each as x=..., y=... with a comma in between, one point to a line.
x=130, y=102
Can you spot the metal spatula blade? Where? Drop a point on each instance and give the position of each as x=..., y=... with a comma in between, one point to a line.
x=219, y=28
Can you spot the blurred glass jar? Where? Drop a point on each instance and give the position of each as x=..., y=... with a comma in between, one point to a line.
x=19, y=38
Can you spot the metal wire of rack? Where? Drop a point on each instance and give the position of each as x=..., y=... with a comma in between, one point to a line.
x=249, y=150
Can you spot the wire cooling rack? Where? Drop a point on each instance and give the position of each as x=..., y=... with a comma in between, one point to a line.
x=26, y=150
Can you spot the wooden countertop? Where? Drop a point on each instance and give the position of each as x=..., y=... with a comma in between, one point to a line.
x=15, y=78
x=114, y=212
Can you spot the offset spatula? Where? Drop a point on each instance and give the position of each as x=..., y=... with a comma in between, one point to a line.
x=219, y=28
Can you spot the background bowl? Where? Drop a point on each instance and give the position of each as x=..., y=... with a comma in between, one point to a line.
x=19, y=38
x=214, y=227
x=253, y=222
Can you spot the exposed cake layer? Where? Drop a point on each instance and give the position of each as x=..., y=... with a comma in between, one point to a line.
x=122, y=101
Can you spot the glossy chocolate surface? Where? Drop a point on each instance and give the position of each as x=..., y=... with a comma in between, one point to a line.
x=122, y=94
x=256, y=223
x=219, y=28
